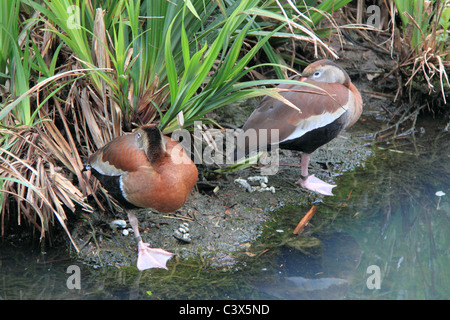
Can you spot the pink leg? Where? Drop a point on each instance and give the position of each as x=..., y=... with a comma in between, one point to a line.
x=148, y=257
x=312, y=183
x=305, y=163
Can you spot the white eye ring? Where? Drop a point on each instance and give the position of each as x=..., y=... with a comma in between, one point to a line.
x=317, y=74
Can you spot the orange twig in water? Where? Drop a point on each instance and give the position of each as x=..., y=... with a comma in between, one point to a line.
x=299, y=228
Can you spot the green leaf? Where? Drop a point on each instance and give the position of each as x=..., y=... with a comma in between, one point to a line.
x=170, y=66
x=192, y=9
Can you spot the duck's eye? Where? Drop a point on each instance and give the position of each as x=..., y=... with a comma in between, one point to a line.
x=317, y=74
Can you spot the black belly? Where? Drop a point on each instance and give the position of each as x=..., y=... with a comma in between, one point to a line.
x=112, y=184
x=314, y=139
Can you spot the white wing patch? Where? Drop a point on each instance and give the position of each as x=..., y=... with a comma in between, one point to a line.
x=105, y=168
x=121, y=186
x=315, y=122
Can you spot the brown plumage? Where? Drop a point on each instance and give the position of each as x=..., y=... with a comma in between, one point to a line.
x=145, y=170
x=322, y=113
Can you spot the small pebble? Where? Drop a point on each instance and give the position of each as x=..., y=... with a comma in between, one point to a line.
x=262, y=184
x=119, y=223
x=185, y=237
x=182, y=233
x=258, y=178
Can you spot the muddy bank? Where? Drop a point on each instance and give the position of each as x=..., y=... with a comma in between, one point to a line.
x=221, y=217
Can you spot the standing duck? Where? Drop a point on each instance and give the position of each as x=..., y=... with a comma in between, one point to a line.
x=323, y=112
x=145, y=169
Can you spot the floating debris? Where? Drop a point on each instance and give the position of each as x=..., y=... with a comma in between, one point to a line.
x=400, y=262
x=305, y=220
x=439, y=194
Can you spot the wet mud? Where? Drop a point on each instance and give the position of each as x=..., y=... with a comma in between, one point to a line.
x=221, y=219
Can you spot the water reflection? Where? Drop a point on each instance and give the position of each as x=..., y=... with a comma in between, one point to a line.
x=26, y=273
x=390, y=208
x=326, y=275
x=395, y=218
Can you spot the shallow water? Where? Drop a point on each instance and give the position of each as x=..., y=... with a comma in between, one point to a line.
x=384, y=235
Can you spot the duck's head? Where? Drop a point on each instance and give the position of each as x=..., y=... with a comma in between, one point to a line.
x=150, y=140
x=326, y=71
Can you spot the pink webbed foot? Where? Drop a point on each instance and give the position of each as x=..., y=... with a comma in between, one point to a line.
x=151, y=258
x=315, y=184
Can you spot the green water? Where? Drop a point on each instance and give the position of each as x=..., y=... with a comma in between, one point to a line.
x=384, y=235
